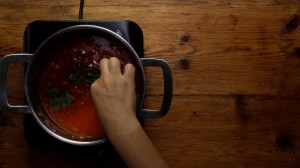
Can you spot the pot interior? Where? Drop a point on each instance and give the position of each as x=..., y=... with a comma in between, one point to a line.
x=62, y=56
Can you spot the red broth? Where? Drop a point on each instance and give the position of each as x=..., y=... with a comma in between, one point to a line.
x=86, y=50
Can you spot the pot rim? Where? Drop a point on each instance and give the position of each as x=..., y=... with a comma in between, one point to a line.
x=53, y=37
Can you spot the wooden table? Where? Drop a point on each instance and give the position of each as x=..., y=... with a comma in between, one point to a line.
x=236, y=70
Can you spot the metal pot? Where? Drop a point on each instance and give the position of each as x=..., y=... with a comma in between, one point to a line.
x=36, y=60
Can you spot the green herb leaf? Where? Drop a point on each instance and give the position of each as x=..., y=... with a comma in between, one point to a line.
x=82, y=74
x=59, y=99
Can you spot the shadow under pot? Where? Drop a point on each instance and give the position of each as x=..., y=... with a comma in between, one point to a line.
x=58, y=78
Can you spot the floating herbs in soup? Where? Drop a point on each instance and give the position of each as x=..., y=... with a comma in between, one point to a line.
x=64, y=84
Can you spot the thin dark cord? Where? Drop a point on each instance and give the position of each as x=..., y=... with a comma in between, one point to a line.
x=81, y=9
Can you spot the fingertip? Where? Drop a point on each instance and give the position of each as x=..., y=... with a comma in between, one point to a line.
x=103, y=61
x=129, y=70
x=129, y=67
x=113, y=59
x=114, y=65
x=103, y=65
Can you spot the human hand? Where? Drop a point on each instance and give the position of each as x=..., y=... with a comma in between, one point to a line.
x=114, y=93
x=115, y=102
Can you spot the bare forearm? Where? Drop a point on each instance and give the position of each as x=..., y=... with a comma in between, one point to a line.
x=134, y=146
x=115, y=102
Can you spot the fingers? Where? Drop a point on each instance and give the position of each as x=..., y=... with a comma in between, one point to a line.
x=111, y=65
x=129, y=71
x=114, y=65
x=104, y=66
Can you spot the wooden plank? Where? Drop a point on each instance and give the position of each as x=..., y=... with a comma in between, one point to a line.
x=236, y=77
x=231, y=131
x=224, y=131
x=151, y=2
x=224, y=51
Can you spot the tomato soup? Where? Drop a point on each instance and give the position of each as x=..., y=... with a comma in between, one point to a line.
x=69, y=74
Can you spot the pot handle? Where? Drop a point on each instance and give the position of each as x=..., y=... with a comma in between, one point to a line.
x=5, y=61
x=168, y=88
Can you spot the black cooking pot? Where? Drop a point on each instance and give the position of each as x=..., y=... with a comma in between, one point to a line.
x=38, y=60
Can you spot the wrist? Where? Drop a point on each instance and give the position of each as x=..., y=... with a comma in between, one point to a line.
x=120, y=125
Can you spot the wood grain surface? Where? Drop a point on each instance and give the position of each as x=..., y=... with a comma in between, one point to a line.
x=236, y=77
